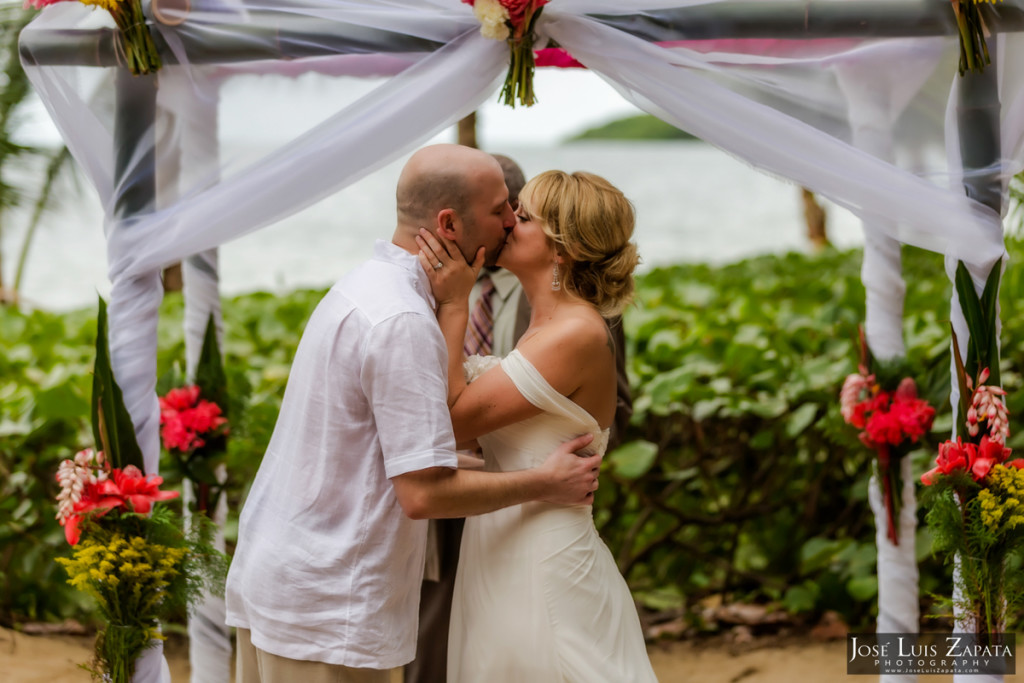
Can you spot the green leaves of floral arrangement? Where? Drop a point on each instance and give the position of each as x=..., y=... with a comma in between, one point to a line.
x=112, y=426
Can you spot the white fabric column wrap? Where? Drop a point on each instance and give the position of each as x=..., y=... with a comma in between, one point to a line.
x=189, y=112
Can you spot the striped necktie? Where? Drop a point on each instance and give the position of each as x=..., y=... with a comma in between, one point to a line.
x=480, y=332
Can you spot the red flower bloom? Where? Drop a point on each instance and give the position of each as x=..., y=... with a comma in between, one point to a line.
x=988, y=453
x=204, y=417
x=138, y=490
x=887, y=419
x=184, y=417
x=953, y=456
x=863, y=412
x=175, y=435
x=180, y=399
x=127, y=488
x=884, y=428
x=914, y=416
x=97, y=501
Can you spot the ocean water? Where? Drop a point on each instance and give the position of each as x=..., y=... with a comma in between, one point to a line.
x=693, y=203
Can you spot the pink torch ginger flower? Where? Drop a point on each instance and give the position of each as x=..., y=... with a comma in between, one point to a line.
x=987, y=405
x=856, y=388
x=88, y=467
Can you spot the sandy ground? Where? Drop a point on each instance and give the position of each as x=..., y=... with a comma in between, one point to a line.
x=55, y=659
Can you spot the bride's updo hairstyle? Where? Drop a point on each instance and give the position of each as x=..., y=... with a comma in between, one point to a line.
x=591, y=222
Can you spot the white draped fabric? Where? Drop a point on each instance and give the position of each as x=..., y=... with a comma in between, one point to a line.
x=803, y=109
x=873, y=112
x=898, y=594
x=189, y=133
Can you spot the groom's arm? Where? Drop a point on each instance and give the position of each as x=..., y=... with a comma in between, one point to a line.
x=564, y=478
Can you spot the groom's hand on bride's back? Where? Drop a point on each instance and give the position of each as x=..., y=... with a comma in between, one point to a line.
x=572, y=474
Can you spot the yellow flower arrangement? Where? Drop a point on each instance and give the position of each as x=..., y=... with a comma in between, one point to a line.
x=139, y=570
x=1001, y=507
x=125, y=576
x=130, y=578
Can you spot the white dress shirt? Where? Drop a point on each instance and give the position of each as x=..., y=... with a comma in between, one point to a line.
x=328, y=566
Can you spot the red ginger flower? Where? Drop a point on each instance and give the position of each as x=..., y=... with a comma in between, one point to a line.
x=138, y=490
x=989, y=452
x=180, y=399
x=914, y=415
x=889, y=419
x=866, y=409
x=183, y=417
x=176, y=435
x=127, y=489
x=882, y=428
x=976, y=459
x=953, y=456
x=204, y=417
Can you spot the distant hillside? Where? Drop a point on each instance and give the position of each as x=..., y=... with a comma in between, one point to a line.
x=642, y=127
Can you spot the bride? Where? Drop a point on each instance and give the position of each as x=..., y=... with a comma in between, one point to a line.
x=538, y=596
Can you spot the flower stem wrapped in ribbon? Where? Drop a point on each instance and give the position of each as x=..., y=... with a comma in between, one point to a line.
x=512, y=21
x=136, y=42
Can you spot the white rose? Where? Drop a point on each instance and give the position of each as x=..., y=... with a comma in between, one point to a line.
x=492, y=18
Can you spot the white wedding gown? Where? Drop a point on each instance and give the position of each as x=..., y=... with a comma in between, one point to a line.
x=538, y=597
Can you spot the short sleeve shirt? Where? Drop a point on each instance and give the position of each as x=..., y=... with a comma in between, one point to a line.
x=327, y=566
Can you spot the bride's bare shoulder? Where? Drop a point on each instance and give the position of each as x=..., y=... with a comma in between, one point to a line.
x=583, y=332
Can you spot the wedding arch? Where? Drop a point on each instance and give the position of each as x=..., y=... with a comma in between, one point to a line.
x=860, y=102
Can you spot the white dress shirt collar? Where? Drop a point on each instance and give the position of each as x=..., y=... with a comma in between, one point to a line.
x=389, y=252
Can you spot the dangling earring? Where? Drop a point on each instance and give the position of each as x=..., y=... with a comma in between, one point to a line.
x=555, y=284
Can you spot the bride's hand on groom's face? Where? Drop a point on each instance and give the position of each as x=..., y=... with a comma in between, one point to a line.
x=573, y=476
x=451, y=278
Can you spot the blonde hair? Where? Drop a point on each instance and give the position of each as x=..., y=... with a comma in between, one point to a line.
x=591, y=223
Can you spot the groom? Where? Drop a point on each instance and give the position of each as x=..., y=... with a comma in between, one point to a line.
x=324, y=584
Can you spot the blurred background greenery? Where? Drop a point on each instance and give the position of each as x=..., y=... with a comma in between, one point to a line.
x=737, y=482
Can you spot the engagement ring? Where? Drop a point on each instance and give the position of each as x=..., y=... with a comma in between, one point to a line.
x=438, y=266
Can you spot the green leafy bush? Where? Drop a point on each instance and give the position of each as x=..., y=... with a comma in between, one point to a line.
x=739, y=476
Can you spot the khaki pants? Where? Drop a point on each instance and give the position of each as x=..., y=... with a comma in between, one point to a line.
x=256, y=666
